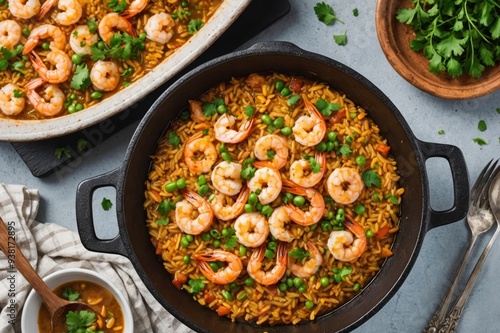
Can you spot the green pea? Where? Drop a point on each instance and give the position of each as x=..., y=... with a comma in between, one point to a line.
x=101, y=45
x=272, y=245
x=269, y=254
x=203, y=189
x=326, y=225
x=324, y=281
x=330, y=215
x=321, y=147
x=181, y=183
x=71, y=109
x=96, y=95
x=302, y=288
x=299, y=200
x=226, y=156
x=279, y=85
x=329, y=146
x=375, y=197
x=285, y=91
x=222, y=109
x=356, y=287
x=253, y=198
x=206, y=237
x=259, y=206
x=267, y=210
x=288, y=197
x=26, y=32
x=170, y=187
x=286, y=131
x=20, y=49
x=369, y=233
x=353, y=115
x=184, y=4
x=45, y=45
x=283, y=287
x=214, y=266
x=289, y=282
x=348, y=139
x=73, y=96
x=332, y=136
x=233, y=286
x=202, y=180
x=184, y=241
x=249, y=282
x=310, y=305
x=341, y=211
x=249, y=208
x=186, y=260
x=190, y=238
x=266, y=119
x=360, y=160
x=216, y=243
x=359, y=209
x=243, y=250
x=279, y=122
x=76, y=59
x=224, y=232
x=79, y=107
x=142, y=35
x=297, y=282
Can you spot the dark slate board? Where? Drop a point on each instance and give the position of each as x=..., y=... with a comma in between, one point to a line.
x=40, y=156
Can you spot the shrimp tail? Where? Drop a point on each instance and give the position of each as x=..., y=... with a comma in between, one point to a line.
x=35, y=83
x=282, y=253
x=193, y=197
x=354, y=226
x=37, y=63
x=291, y=187
x=45, y=8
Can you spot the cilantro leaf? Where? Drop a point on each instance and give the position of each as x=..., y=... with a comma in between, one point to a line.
x=196, y=286
x=341, y=39
x=163, y=221
x=77, y=321
x=370, y=177
x=480, y=141
x=325, y=108
x=315, y=166
x=165, y=207
x=194, y=26
x=70, y=295
x=249, y=111
x=117, y=6
x=209, y=109
x=81, y=77
x=231, y=242
x=59, y=152
x=345, y=150
x=92, y=25
x=355, y=12
x=174, y=139
x=325, y=13
x=82, y=144
x=270, y=154
x=106, y=204
x=299, y=253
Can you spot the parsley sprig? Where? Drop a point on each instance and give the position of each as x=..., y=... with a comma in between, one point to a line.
x=325, y=13
x=457, y=36
x=121, y=46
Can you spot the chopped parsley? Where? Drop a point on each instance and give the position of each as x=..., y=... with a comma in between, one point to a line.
x=270, y=154
x=341, y=39
x=121, y=46
x=299, y=253
x=163, y=221
x=315, y=166
x=481, y=126
x=249, y=111
x=165, y=207
x=117, y=6
x=498, y=110
x=355, y=12
x=18, y=94
x=480, y=141
x=345, y=150
x=92, y=25
x=340, y=273
x=59, y=152
x=82, y=144
x=325, y=13
x=196, y=285
x=231, y=242
x=370, y=178
x=106, y=204
x=194, y=25
x=325, y=108
x=441, y=132
x=209, y=109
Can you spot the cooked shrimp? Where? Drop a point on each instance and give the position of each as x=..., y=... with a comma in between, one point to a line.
x=223, y=276
x=309, y=130
x=254, y=267
x=112, y=22
x=251, y=229
x=306, y=269
x=226, y=178
x=196, y=112
x=316, y=204
x=345, y=185
x=81, y=39
x=277, y=222
x=70, y=11
x=11, y=102
x=342, y=244
x=194, y=214
x=224, y=133
x=268, y=181
x=134, y=8
x=159, y=28
x=52, y=101
x=301, y=173
x=224, y=212
x=255, y=81
x=59, y=59
x=105, y=75
x=24, y=9
x=277, y=145
x=45, y=31
x=199, y=154
x=10, y=34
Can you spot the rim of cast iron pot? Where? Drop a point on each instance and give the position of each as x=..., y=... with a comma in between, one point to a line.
x=414, y=218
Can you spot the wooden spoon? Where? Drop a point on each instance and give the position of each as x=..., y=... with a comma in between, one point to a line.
x=56, y=306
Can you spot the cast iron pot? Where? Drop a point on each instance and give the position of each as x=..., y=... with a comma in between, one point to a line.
x=417, y=216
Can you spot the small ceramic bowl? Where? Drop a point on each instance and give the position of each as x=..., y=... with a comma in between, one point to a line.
x=395, y=37
x=34, y=301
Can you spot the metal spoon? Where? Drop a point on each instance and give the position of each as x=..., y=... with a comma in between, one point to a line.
x=56, y=306
x=494, y=199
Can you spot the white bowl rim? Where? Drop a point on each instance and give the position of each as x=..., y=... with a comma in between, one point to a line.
x=34, y=301
x=32, y=130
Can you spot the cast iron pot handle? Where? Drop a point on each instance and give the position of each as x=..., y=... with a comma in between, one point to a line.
x=84, y=218
x=460, y=177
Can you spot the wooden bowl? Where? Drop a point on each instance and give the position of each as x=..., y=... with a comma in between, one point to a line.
x=395, y=37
